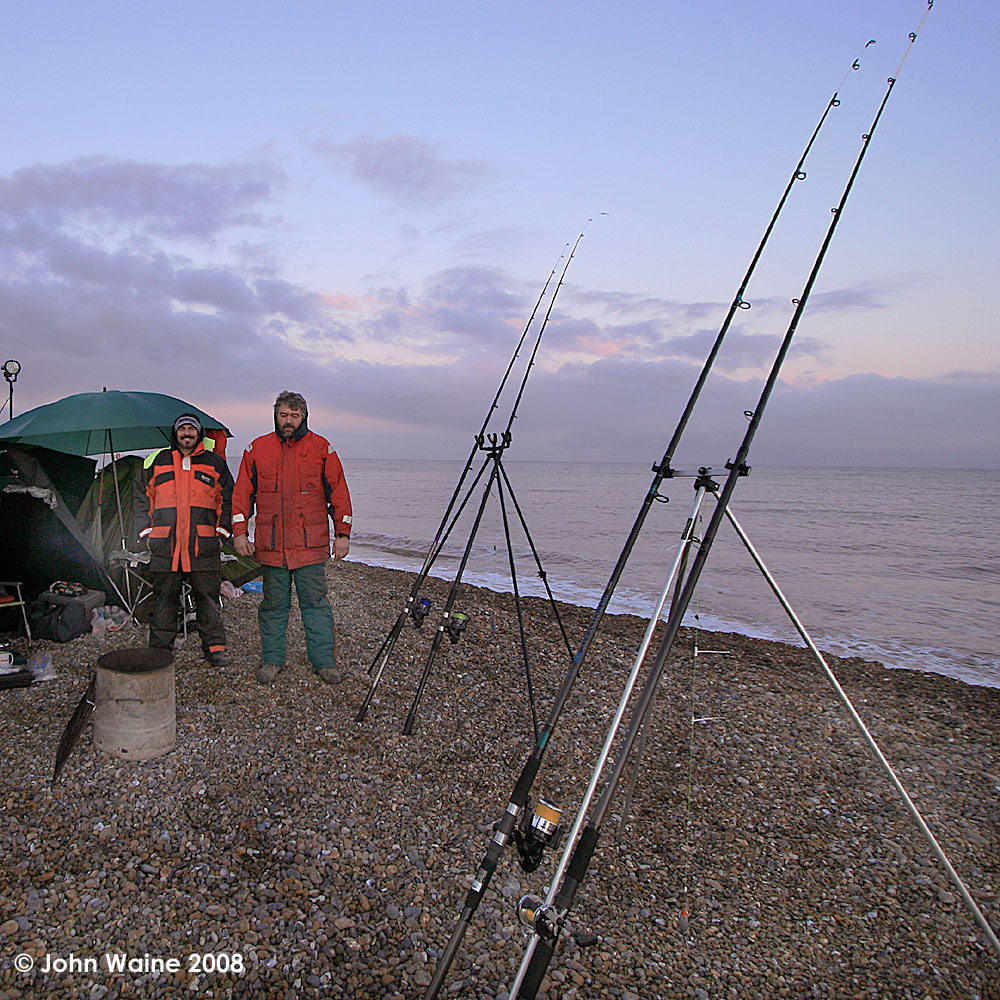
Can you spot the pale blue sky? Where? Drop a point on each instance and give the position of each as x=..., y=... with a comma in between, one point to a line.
x=362, y=202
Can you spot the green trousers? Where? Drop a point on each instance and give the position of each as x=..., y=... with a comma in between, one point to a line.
x=317, y=615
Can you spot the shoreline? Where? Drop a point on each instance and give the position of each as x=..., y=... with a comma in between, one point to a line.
x=947, y=662
x=335, y=855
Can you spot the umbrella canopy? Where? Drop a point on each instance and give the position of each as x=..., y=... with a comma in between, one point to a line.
x=96, y=423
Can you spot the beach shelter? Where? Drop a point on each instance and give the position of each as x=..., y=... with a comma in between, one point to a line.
x=103, y=423
x=40, y=538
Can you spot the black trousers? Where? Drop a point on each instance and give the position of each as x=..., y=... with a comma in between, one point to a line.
x=167, y=609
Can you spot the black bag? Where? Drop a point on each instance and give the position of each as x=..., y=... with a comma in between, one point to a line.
x=59, y=622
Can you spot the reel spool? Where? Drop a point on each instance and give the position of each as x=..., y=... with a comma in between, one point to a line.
x=542, y=919
x=539, y=830
x=420, y=611
x=455, y=625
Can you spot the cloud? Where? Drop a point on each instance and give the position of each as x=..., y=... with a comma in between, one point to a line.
x=84, y=265
x=190, y=201
x=406, y=170
x=740, y=350
x=127, y=288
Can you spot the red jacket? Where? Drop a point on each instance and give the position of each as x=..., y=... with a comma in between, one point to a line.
x=293, y=484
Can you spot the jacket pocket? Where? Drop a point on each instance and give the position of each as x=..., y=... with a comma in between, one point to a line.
x=265, y=533
x=161, y=540
x=208, y=541
x=316, y=534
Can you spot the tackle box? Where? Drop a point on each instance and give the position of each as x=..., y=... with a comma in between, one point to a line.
x=90, y=599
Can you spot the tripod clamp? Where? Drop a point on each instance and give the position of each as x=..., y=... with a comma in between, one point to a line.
x=702, y=477
x=494, y=444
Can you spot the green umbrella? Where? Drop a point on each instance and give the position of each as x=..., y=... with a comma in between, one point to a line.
x=98, y=423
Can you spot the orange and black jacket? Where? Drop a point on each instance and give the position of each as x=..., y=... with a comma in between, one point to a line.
x=183, y=506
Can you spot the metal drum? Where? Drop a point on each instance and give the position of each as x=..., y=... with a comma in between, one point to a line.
x=135, y=707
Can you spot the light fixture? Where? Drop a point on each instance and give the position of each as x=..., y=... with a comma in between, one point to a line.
x=11, y=369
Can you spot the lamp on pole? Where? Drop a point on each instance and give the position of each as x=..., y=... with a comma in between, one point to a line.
x=11, y=369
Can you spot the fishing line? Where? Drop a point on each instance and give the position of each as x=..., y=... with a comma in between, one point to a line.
x=550, y=917
x=513, y=820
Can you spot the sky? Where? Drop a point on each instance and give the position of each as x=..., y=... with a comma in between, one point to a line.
x=363, y=202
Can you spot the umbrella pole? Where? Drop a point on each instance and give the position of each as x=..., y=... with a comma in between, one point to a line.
x=121, y=517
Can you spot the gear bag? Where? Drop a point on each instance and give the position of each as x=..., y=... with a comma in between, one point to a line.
x=58, y=622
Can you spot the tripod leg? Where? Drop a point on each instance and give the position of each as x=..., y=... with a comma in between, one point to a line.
x=378, y=665
x=936, y=848
x=381, y=658
x=452, y=594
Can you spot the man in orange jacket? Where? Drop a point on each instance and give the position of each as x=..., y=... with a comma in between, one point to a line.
x=181, y=505
x=294, y=480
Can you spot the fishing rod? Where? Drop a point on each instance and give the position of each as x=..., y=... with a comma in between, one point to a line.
x=494, y=445
x=548, y=919
x=532, y=832
x=412, y=608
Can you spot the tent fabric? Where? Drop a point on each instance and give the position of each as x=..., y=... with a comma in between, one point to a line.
x=41, y=540
x=99, y=423
x=99, y=512
x=81, y=520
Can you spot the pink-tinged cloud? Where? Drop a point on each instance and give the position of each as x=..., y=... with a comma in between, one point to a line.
x=598, y=348
x=341, y=302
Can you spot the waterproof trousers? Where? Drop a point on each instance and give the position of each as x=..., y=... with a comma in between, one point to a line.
x=167, y=609
x=317, y=615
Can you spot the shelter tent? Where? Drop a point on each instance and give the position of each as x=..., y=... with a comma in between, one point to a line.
x=102, y=423
x=40, y=537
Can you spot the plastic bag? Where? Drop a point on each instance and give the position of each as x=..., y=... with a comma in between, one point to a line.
x=40, y=665
x=98, y=623
x=115, y=618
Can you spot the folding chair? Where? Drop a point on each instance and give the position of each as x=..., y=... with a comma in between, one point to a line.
x=17, y=602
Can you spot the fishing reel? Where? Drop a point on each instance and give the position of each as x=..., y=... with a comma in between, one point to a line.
x=455, y=625
x=420, y=611
x=544, y=920
x=537, y=831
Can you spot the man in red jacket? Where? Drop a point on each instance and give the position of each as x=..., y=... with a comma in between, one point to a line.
x=294, y=480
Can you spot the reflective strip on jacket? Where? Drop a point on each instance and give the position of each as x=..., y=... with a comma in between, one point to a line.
x=182, y=505
x=294, y=485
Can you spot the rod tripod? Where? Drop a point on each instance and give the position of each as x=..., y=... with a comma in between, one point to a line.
x=494, y=446
x=417, y=608
x=549, y=918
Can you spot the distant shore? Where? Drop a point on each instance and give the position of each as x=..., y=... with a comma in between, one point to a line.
x=334, y=855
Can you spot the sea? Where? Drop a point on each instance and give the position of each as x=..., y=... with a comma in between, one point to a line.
x=901, y=566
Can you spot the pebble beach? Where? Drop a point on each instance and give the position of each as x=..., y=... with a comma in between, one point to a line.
x=282, y=849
